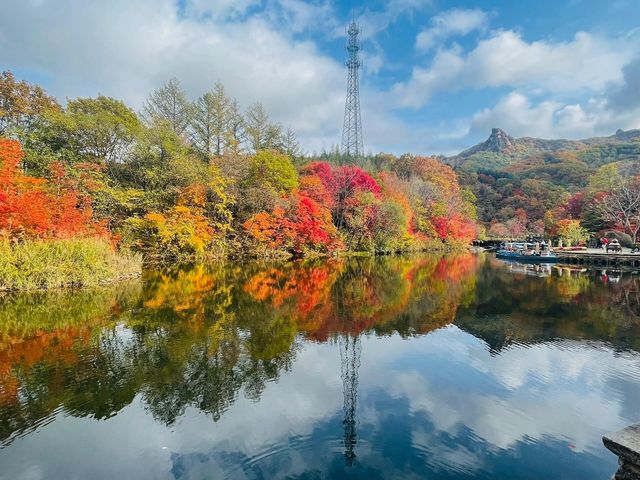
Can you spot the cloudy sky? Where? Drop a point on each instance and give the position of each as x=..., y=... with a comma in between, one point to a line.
x=438, y=74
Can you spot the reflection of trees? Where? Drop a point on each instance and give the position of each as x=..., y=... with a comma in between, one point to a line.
x=199, y=337
x=49, y=355
x=390, y=294
x=515, y=307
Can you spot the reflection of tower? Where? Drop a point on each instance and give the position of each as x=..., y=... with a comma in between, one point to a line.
x=349, y=362
x=352, y=129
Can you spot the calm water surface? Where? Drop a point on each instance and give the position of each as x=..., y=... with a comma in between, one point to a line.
x=423, y=367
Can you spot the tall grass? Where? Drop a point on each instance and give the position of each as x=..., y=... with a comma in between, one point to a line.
x=79, y=262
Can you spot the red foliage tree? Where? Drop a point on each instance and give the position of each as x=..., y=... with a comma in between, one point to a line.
x=345, y=180
x=303, y=225
x=343, y=184
x=455, y=227
x=575, y=205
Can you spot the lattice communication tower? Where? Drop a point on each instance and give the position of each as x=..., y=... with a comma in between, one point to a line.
x=352, y=145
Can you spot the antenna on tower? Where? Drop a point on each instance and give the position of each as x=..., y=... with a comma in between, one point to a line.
x=352, y=144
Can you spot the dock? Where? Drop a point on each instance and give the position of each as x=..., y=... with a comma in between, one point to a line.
x=599, y=258
x=626, y=445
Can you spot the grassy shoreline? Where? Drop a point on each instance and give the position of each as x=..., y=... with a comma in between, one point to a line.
x=91, y=262
x=66, y=263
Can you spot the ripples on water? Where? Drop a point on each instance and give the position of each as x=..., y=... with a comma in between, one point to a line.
x=425, y=367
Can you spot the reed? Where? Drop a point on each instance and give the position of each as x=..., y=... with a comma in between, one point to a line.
x=77, y=262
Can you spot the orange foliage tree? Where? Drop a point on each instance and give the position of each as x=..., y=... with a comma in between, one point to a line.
x=38, y=208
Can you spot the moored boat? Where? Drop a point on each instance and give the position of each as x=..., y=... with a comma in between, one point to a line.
x=523, y=257
x=527, y=253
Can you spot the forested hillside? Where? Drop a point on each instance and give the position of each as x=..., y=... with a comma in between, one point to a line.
x=533, y=186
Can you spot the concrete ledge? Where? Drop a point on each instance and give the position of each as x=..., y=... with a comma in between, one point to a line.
x=626, y=445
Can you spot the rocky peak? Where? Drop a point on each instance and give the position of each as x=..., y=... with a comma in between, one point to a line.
x=498, y=141
x=626, y=135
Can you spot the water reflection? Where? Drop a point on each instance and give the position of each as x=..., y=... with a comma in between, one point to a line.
x=449, y=367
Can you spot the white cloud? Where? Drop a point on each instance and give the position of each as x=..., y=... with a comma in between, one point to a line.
x=450, y=23
x=298, y=15
x=373, y=22
x=587, y=62
x=126, y=49
x=516, y=114
x=220, y=9
x=533, y=377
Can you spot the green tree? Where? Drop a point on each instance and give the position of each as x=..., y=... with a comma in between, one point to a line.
x=102, y=129
x=268, y=177
x=273, y=170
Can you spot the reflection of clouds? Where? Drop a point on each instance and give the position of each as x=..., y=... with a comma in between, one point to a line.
x=442, y=456
x=443, y=399
x=560, y=390
x=310, y=392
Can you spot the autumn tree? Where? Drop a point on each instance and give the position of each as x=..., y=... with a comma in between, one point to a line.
x=571, y=232
x=211, y=121
x=621, y=206
x=617, y=198
x=169, y=104
x=21, y=104
x=36, y=208
x=261, y=133
x=343, y=183
x=301, y=225
x=181, y=231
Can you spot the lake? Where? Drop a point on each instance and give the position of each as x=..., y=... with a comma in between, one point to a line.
x=434, y=367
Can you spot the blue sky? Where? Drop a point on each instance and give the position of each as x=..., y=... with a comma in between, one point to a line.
x=438, y=74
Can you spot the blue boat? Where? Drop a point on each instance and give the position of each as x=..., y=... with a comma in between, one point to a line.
x=525, y=253
x=522, y=257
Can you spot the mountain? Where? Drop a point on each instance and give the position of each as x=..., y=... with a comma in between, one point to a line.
x=501, y=150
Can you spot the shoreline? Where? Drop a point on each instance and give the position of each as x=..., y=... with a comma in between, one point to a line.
x=151, y=263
